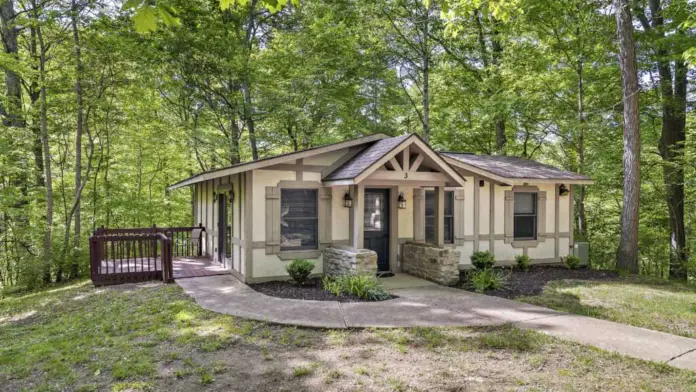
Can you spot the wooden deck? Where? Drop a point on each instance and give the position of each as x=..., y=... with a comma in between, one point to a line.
x=192, y=267
x=184, y=267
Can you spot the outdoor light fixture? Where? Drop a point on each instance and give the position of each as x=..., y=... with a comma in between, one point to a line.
x=482, y=183
x=231, y=195
x=214, y=197
x=347, y=200
x=401, y=201
x=562, y=190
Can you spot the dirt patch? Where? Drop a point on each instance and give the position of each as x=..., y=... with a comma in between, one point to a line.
x=312, y=290
x=532, y=282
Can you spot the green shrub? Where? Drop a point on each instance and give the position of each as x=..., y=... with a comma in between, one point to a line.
x=487, y=279
x=524, y=262
x=362, y=286
x=359, y=285
x=299, y=270
x=572, y=261
x=332, y=285
x=482, y=260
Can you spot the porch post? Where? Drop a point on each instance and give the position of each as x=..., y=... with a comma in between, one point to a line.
x=355, y=221
x=439, y=216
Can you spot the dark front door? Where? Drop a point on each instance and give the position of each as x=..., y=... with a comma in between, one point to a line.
x=376, y=226
x=222, y=228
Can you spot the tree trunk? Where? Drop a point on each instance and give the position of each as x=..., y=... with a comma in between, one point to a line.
x=672, y=151
x=497, y=52
x=582, y=219
x=12, y=115
x=46, y=156
x=426, y=78
x=627, y=253
x=672, y=138
x=78, y=131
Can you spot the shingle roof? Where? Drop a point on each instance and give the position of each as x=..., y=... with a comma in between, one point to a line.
x=270, y=160
x=514, y=167
x=365, y=158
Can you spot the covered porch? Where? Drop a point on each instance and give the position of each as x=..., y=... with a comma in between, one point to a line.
x=385, y=192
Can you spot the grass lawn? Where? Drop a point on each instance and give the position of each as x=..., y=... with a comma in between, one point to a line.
x=153, y=337
x=640, y=301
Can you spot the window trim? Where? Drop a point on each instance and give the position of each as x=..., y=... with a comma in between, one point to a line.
x=451, y=241
x=308, y=248
x=535, y=215
x=509, y=216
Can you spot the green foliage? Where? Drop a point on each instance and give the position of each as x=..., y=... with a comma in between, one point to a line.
x=482, y=260
x=362, y=286
x=523, y=262
x=299, y=270
x=572, y=261
x=487, y=279
x=332, y=285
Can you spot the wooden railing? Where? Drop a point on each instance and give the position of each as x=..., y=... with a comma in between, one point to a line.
x=139, y=254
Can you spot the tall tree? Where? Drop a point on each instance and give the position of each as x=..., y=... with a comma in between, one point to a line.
x=627, y=254
x=74, y=18
x=666, y=39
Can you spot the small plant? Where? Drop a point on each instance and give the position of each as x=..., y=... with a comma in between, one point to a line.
x=359, y=285
x=524, y=262
x=487, y=279
x=572, y=261
x=299, y=270
x=482, y=260
x=362, y=286
x=332, y=285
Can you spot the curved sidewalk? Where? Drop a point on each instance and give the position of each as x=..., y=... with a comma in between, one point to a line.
x=435, y=306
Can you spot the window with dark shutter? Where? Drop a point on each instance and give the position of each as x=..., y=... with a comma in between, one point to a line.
x=525, y=218
x=298, y=219
x=430, y=217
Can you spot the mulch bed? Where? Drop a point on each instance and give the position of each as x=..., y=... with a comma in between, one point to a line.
x=312, y=290
x=532, y=282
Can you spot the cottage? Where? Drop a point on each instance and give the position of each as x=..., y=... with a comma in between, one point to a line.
x=381, y=193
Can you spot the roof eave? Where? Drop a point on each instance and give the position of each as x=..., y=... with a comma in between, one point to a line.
x=510, y=181
x=254, y=165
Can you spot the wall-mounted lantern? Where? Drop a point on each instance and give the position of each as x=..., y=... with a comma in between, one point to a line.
x=231, y=196
x=401, y=201
x=563, y=190
x=214, y=197
x=482, y=183
x=347, y=200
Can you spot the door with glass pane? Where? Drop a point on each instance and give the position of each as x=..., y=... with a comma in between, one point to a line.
x=376, y=225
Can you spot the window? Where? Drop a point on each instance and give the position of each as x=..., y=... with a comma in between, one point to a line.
x=298, y=219
x=525, y=220
x=430, y=217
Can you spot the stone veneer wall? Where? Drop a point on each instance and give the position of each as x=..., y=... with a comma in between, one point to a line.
x=439, y=265
x=344, y=260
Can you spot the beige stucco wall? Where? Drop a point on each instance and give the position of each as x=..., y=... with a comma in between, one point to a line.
x=340, y=215
x=265, y=266
x=484, y=209
x=469, y=206
x=406, y=215
x=262, y=179
x=544, y=251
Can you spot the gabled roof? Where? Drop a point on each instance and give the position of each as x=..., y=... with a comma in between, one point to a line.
x=378, y=153
x=513, y=170
x=374, y=150
x=274, y=160
x=365, y=158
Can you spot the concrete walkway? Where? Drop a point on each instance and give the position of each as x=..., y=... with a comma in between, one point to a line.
x=422, y=303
